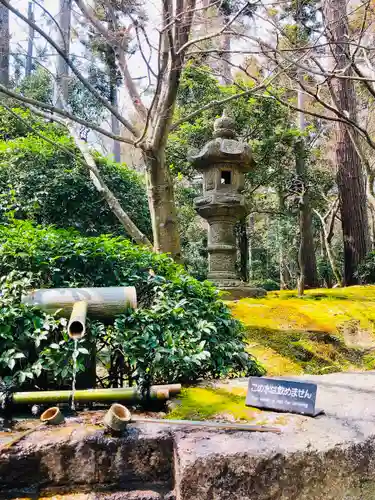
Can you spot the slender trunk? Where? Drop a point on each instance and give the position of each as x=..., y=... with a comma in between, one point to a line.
x=107, y=194
x=372, y=227
x=30, y=42
x=350, y=178
x=250, y=231
x=226, y=75
x=306, y=253
x=115, y=124
x=244, y=250
x=63, y=39
x=4, y=46
x=327, y=238
x=283, y=270
x=322, y=245
x=110, y=59
x=326, y=277
x=161, y=204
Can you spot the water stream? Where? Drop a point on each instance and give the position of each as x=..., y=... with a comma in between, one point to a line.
x=75, y=356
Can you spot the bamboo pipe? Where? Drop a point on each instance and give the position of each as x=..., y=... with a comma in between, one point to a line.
x=128, y=394
x=77, y=322
x=102, y=302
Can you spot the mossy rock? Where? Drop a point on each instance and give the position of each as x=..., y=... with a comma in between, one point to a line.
x=199, y=403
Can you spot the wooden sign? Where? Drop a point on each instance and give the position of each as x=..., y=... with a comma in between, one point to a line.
x=282, y=395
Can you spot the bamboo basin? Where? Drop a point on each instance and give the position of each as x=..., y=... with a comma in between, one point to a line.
x=102, y=302
x=52, y=416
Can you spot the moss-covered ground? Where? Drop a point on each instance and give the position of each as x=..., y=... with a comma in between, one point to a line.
x=291, y=335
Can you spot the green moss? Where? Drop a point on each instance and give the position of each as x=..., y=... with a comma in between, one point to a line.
x=205, y=404
x=296, y=335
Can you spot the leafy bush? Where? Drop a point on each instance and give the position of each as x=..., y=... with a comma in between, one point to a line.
x=193, y=234
x=181, y=331
x=27, y=338
x=42, y=183
x=366, y=270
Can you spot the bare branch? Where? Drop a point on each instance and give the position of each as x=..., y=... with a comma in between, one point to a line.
x=63, y=113
x=120, y=54
x=222, y=31
x=78, y=74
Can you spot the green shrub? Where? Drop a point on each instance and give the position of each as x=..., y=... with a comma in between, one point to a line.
x=42, y=183
x=28, y=338
x=181, y=331
x=366, y=270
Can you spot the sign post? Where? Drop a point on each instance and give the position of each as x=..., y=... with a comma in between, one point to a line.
x=282, y=395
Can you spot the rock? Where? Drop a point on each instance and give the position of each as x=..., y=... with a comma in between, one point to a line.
x=242, y=292
x=331, y=457
x=78, y=455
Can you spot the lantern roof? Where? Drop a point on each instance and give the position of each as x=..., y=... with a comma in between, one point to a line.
x=224, y=148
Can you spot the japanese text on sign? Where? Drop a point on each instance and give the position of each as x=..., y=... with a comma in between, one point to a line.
x=281, y=391
x=282, y=395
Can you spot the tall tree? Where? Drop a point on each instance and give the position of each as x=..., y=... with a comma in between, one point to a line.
x=350, y=175
x=30, y=41
x=4, y=45
x=167, y=53
x=63, y=41
x=306, y=254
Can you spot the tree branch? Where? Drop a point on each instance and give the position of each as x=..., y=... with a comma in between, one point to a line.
x=78, y=74
x=63, y=113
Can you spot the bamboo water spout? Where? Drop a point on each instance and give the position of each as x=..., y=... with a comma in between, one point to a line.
x=75, y=303
x=77, y=322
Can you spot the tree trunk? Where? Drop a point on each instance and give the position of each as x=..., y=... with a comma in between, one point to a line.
x=30, y=42
x=372, y=212
x=244, y=250
x=250, y=232
x=350, y=178
x=4, y=46
x=306, y=252
x=283, y=269
x=107, y=194
x=63, y=39
x=115, y=125
x=113, y=80
x=162, y=206
x=326, y=238
x=226, y=75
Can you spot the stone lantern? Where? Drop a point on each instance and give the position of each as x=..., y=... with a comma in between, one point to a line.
x=223, y=162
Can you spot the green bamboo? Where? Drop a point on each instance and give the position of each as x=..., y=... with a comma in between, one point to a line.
x=128, y=394
x=77, y=321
